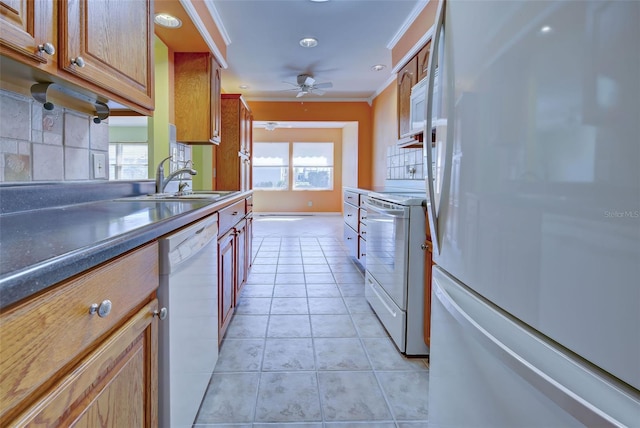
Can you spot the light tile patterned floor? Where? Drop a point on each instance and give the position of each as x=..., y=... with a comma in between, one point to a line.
x=304, y=348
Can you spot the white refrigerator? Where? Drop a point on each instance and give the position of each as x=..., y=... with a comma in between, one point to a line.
x=533, y=190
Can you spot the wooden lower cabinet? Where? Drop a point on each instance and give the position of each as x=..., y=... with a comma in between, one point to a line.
x=226, y=281
x=242, y=268
x=115, y=386
x=62, y=364
x=234, y=258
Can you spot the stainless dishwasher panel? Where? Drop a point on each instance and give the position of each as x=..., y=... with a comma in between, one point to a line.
x=188, y=340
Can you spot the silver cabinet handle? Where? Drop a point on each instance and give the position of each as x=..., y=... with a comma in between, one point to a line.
x=79, y=61
x=47, y=48
x=161, y=314
x=103, y=309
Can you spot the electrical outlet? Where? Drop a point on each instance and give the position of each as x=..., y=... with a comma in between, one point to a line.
x=310, y=204
x=99, y=167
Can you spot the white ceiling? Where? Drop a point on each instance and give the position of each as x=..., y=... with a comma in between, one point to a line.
x=263, y=45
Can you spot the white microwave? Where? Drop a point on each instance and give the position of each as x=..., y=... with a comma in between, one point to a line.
x=419, y=103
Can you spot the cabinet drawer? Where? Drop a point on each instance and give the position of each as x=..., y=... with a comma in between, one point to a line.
x=363, y=231
x=229, y=216
x=352, y=198
x=42, y=335
x=351, y=241
x=362, y=216
x=249, y=204
x=362, y=251
x=351, y=215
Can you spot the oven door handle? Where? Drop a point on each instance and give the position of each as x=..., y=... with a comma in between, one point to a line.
x=400, y=212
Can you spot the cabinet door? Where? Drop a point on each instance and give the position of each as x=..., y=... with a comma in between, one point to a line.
x=407, y=78
x=216, y=109
x=25, y=26
x=226, y=281
x=115, y=385
x=109, y=44
x=241, y=257
x=423, y=61
x=249, y=242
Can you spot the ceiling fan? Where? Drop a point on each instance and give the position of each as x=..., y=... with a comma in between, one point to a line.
x=307, y=85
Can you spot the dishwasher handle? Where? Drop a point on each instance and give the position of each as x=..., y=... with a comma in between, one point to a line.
x=385, y=208
x=177, y=248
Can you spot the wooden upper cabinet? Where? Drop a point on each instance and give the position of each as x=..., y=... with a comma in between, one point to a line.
x=197, y=98
x=28, y=32
x=233, y=156
x=423, y=61
x=407, y=78
x=110, y=45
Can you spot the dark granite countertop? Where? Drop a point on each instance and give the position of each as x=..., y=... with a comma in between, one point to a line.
x=41, y=247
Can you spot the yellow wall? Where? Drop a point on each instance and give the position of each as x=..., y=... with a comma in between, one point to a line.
x=297, y=200
x=159, y=123
x=359, y=112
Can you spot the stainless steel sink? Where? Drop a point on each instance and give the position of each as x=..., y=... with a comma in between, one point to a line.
x=196, y=194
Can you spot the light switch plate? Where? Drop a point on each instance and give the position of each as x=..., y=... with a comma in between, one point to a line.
x=99, y=166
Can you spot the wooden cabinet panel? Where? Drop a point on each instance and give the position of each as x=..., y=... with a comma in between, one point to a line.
x=197, y=98
x=241, y=257
x=115, y=385
x=114, y=41
x=25, y=26
x=58, y=323
x=233, y=157
x=249, y=236
x=423, y=61
x=226, y=281
x=407, y=78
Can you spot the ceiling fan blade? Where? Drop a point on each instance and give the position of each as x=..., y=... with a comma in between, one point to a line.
x=300, y=94
x=324, y=85
x=318, y=91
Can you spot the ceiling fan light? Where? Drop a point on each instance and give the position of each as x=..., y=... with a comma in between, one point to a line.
x=308, y=42
x=167, y=21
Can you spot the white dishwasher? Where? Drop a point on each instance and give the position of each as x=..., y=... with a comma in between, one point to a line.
x=188, y=336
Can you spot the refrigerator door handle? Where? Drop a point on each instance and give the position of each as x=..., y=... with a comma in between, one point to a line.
x=427, y=148
x=559, y=393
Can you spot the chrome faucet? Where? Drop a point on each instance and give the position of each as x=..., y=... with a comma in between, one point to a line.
x=161, y=181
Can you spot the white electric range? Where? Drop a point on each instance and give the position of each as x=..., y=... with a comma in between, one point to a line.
x=394, y=285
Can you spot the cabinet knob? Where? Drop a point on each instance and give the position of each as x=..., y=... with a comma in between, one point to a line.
x=103, y=309
x=425, y=247
x=47, y=48
x=161, y=314
x=79, y=61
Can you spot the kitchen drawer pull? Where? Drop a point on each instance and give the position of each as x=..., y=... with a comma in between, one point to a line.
x=47, y=48
x=161, y=314
x=349, y=215
x=79, y=61
x=103, y=309
x=234, y=213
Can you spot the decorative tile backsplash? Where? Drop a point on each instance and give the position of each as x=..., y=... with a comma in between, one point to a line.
x=404, y=164
x=41, y=145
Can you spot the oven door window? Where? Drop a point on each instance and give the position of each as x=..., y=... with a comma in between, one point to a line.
x=387, y=253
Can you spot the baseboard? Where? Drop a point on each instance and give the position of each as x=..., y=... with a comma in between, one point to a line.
x=290, y=214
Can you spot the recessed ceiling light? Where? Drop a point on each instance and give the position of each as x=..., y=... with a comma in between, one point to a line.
x=378, y=67
x=308, y=42
x=243, y=86
x=546, y=29
x=319, y=1
x=166, y=20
